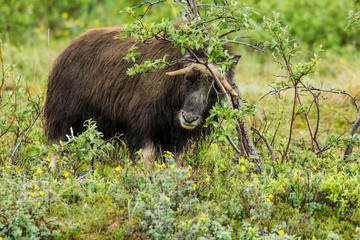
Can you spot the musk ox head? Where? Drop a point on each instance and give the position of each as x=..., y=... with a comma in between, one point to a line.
x=200, y=92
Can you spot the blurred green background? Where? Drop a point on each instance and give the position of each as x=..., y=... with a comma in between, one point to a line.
x=311, y=22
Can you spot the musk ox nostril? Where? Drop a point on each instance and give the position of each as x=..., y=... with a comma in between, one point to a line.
x=189, y=118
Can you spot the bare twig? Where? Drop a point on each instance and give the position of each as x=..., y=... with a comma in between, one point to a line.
x=150, y=4
x=3, y=72
x=186, y=14
x=271, y=150
x=255, y=47
x=312, y=135
x=84, y=176
x=23, y=137
x=349, y=148
x=232, y=143
x=353, y=99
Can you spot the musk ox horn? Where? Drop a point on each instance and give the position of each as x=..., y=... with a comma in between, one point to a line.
x=179, y=72
x=202, y=68
x=227, y=86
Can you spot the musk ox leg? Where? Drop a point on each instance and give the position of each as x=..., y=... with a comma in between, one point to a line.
x=148, y=154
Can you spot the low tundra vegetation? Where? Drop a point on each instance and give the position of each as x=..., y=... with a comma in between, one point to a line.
x=213, y=195
x=307, y=188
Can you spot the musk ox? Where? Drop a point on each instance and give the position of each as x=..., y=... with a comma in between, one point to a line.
x=166, y=108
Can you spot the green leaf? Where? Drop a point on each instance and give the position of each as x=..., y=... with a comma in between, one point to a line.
x=182, y=51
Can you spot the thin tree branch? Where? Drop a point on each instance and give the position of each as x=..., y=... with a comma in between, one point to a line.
x=23, y=137
x=276, y=91
x=245, y=44
x=271, y=150
x=3, y=72
x=349, y=148
x=150, y=4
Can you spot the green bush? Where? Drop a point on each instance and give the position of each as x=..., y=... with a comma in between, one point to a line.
x=313, y=22
x=24, y=206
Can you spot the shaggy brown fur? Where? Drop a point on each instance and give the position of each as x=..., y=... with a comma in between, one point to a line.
x=89, y=80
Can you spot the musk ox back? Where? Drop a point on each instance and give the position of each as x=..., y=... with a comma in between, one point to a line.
x=167, y=107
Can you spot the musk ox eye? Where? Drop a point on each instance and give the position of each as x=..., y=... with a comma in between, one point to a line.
x=191, y=79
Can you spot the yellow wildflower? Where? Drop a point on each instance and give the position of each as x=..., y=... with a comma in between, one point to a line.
x=97, y=22
x=39, y=204
x=39, y=170
x=281, y=232
x=243, y=168
x=190, y=167
x=242, y=160
x=48, y=159
x=34, y=193
x=42, y=193
x=65, y=15
x=271, y=196
x=42, y=38
x=194, y=187
x=314, y=167
x=175, y=11
x=268, y=199
x=167, y=198
x=117, y=169
x=189, y=174
x=34, y=177
x=66, y=174
x=252, y=164
x=36, y=186
x=68, y=24
x=172, y=166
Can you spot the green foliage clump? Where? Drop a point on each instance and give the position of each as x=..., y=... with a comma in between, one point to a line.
x=81, y=150
x=24, y=206
x=313, y=22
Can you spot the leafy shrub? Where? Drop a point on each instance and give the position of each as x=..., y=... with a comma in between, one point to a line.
x=24, y=206
x=313, y=22
x=81, y=150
